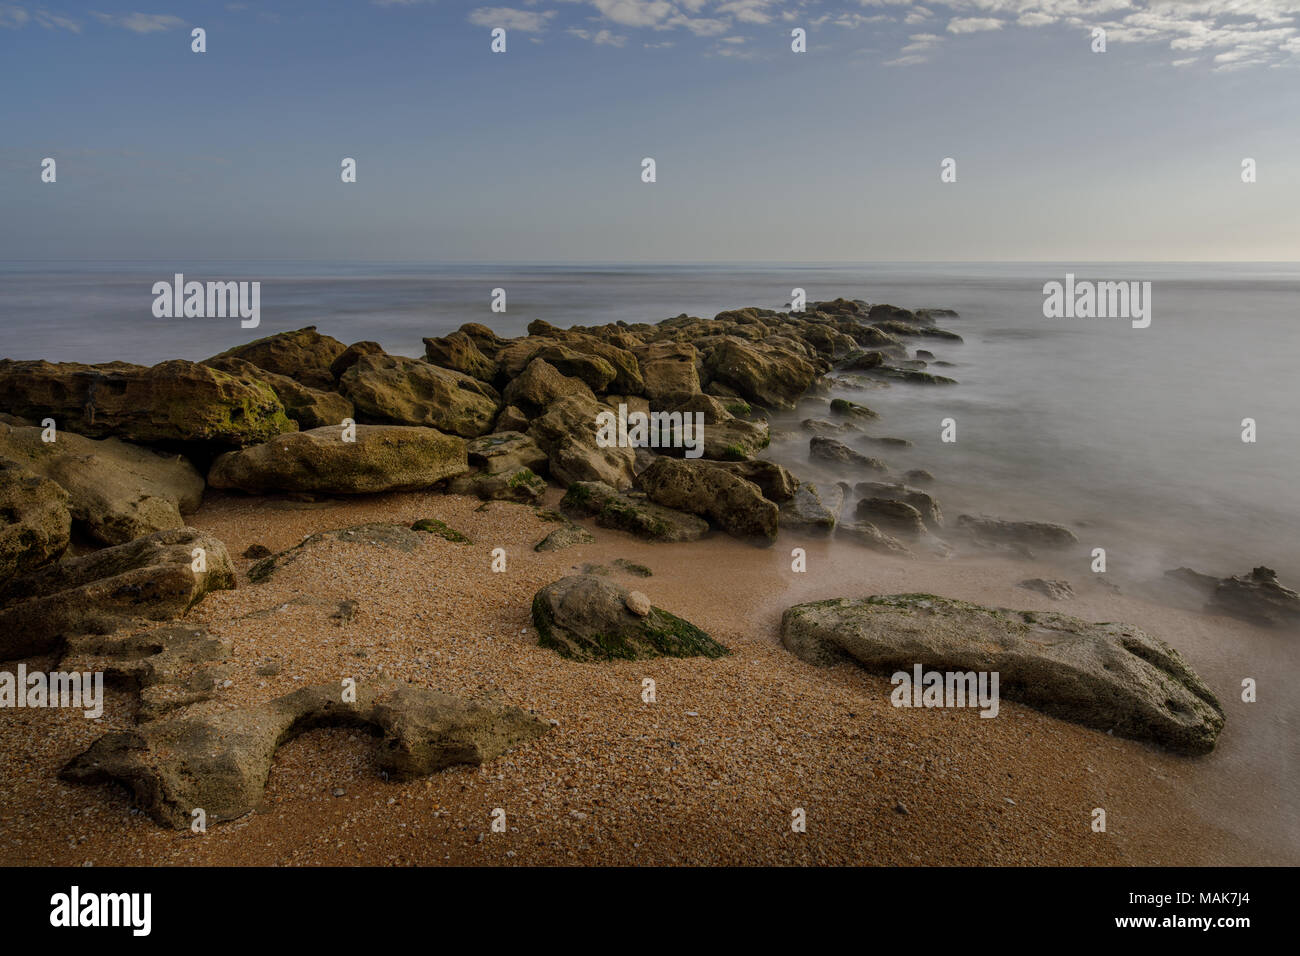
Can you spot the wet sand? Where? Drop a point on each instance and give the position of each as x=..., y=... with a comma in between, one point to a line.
x=710, y=773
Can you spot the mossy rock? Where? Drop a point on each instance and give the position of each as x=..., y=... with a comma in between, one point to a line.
x=442, y=529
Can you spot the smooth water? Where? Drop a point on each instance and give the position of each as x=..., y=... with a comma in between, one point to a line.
x=1131, y=436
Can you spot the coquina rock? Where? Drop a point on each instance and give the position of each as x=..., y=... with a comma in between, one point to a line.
x=303, y=355
x=771, y=377
x=540, y=384
x=727, y=500
x=174, y=402
x=631, y=512
x=458, y=351
x=220, y=762
x=36, y=520
x=309, y=407
x=151, y=578
x=669, y=370
x=567, y=433
x=1111, y=677
x=995, y=531
x=404, y=391
x=812, y=510
x=587, y=617
x=383, y=458
x=117, y=492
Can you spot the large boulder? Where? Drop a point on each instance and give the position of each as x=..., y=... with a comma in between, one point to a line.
x=539, y=385
x=774, y=378
x=631, y=512
x=586, y=617
x=174, y=402
x=152, y=577
x=383, y=458
x=725, y=499
x=303, y=355
x=36, y=520
x=459, y=352
x=567, y=433
x=309, y=407
x=670, y=371
x=351, y=355
x=775, y=481
x=502, y=452
x=593, y=370
x=405, y=391
x=1111, y=677
x=117, y=492
x=220, y=762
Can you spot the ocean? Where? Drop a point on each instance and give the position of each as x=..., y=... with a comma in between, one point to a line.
x=1130, y=436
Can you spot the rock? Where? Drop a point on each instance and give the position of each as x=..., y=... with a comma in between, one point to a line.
x=405, y=391
x=257, y=551
x=539, y=385
x=869, y=536
x=511, y=419
x=484, y=339
x=375, y=535
x=638, y=604
x=820, y=426
x=567, y=433
x=594, y=371
x=151, y=577
x=309, y=407
x=1030, y=534
x=727, y=500
x=505, y=452
x=776, y=483
x=383, y=458
x=919, y=476
x=922, y=501
x=522, y=485
x=441, y=529
x=633, y=513
x=841, y=406
x=913, y=375
x=1056, y=590
x=174, y=402
x=864, y=361
x=565, y=536
x=892, y=516
x=351, y=355
x=1258, y=597
x=771, y=377
x=304, y=355
x=116, y=492
x=828, y=449
x=459, y=352
x=670, y=371
x=1111, y=677
x=37, y=522
x=585, y=617
x=220, y=762
x=808, y=512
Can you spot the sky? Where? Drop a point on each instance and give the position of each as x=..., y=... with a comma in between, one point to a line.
x=761, y=153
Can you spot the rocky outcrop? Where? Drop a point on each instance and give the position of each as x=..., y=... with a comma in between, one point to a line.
x=309, y=407
x=539, y=385
x=775, y=481
x=1258, y=597
x=219, y=763
x=567, y=433
x=36, y=520
x=1111, y=677
x=773, y=378
x=117, y=492
x=382, y=458
x=811, y=510
x=151, y=578
x=402, y=391
x=459, y=352
x=304, y=355
x=176, y=402
x=585, y=617
x=631, y=512
x=670, y=372
x=734, y=504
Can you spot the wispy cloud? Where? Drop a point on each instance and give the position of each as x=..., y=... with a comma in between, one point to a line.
x=525, y=21
x=141, y=22
x=13, y=17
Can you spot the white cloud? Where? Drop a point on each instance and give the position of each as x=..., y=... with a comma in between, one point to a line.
x=973, y=24
x=142, y=22
x=600, y=37
x=525, y=21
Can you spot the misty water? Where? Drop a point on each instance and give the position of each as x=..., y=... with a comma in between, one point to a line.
x=1130, y=436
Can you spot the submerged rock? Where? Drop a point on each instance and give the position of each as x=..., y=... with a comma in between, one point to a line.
x=828, y=449
x=922, y=501
x=1036, y=534
x=220, y=762
x=590, y=618
x=565, y=536
x=891, y=515
x=1111, y=677
x=1257, y=597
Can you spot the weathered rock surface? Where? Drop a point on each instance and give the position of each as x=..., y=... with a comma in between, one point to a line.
x=891, y=516
x=304, y=355
x=1257, y=597
x=1030, y=534
x=1111, y=677
x=175, y=402
x=502, y=452
x=117, y=492
x=1056, y=590
x=151, y=577
x=539, y=385
x=220, y=762
x=309, y=407
x=522, y=485
x=631, y=512
x=922, y=501
x=405, y=391
x=459, y=352
x=36, y=521
x=567, y=433
x=566, y=536
x=351, y=355
x=869, y=536
x=670, y=371
x=375, y=534
x=727, y=500
x=828, y=449
x=775, y=481
x=811, y=510
x=383, y=458
x=771, y=377
x=586, y=617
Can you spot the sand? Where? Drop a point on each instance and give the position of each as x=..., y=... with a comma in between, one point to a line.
x=708, y=774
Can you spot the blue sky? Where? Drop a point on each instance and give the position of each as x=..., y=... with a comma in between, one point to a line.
x=1062, y=154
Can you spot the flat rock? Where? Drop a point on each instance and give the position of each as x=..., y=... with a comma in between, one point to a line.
x=1111, y=677
x=631, y=512
x=586, y=617
x=1030, y=534
x=383, y=458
